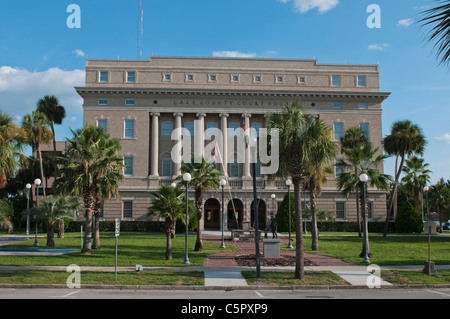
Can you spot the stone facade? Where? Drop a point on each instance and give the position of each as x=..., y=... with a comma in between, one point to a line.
x=142, y=101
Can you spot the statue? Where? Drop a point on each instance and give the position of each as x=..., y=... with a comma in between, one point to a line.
x=273, y=227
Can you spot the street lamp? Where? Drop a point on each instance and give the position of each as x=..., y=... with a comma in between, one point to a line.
x=28, y=186
x=174, y=185
x=428, y=264
x=186, y=177
x=223, y=182
x=273, y=196
x=288, y=184
x=364, y=178
x=37, y=182
x=253, y=143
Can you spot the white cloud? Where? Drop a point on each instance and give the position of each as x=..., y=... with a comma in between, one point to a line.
x=233, y=54
x=444, y=138
x=79, y=53
x=303, y=6
x=20, y=89
x=405, y=22
x=379, y=47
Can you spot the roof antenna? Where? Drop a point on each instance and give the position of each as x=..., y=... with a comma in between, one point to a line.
x=140, y=28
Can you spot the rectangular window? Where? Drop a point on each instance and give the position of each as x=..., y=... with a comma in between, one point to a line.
x=103, y=124
x=166, y=129
x=340, y=210
x=339, y=169
x=369, y=210
x=212, y=77
x=129, y=102
x=129, y=129
x=131, y=77
x=103, y=76
x=102, y=101
x=335, y=80
x=301, y=79
x=128, y=163
x=361, y=81
x=365, y=128
x=212, y=129
x=190, y=127
x=231, y=128
x=362, y=106
x=167, y=168
x=338, y=129
x=257, y=78
x=337, y=105
x=127, y=209
x=167, y=77
x=234, y=169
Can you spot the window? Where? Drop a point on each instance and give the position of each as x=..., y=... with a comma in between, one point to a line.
x=369, y=210
x=103, y=124
x=128, y=163
x=362, y=106
x=361, y=81
x=102, y=101
x=190, y=127
x=103, y=76
x=166, y=168
x=189, y=78
x=234, y=169
x=213, y=129
x=337, y=105
x=365, y=128
x=340, y=210
x=127, y=209
x=338, y=129
x=339, y=169
x=257, y=78
x=166, y=129
x=212, y=77
x=129, y=102
x=301, y=79
x=231, y=129
x=131, y=76
x=167, y=77
x=335, y=80
x=129, y=129
x=279, y=79
x=235, y=78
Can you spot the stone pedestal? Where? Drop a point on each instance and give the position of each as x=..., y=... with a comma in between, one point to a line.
x=271, y=247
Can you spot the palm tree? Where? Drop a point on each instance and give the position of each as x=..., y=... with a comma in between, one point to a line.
x=439, y=196
x=36, y=128
x=291, y=123
x=49, y=105
x=353, y=138
x=88, y=159
x=406, y=139
x=12, y=144
x=55, y=208
x=416, y=178
x=204, y=177
x=169, y=203
x=6, y=212
x=323, y=153
x=438, y=18
x=366, y=161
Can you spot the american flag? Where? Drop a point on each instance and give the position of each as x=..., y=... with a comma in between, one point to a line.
x=245, y=130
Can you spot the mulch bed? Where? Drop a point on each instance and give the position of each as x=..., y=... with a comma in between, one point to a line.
x=284, y=260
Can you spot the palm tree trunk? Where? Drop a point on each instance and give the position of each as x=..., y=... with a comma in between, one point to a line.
x=50, y=233
x=314, y=230
x=364, y=209
x=199, y=209
x=60, y=228
x=44, y=184
x=393, y=194
x=96, y=242
x=169, y=228
x=54, y=147
x=88, y=205
x=358, y=213
x=299, y=257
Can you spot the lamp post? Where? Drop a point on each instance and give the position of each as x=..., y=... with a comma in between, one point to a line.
x=364, y=178
x=186, y=177
x=273, y=196
x=428, y=266
x=28, y=186
x=253, y=143
x=288, y=184
x=223, y=182
x=174, y=185
x=37, y=182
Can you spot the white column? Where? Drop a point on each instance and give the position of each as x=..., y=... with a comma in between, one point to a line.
x=199, y=144
x=155, y=143
x=247, y=150
x=224, y=153
x=177, y=166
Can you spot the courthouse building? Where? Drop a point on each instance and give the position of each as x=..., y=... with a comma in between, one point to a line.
x=141, y=102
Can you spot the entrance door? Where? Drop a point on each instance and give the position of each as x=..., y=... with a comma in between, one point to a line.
x=261, y=214
x=235, y=214
x=212, y=214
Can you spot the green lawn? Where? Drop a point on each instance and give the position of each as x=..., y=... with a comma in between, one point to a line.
x=283, y=278
x=410, y=277
x=148, y=251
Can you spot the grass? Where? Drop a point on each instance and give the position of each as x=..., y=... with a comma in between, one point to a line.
x=410, y=277
x=146, y=250
x=285, y=278
x=105, y=278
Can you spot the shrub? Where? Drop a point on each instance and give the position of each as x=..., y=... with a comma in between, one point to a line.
x=408, y=220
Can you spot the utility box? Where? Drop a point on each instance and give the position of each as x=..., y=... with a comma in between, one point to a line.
x=271, y=247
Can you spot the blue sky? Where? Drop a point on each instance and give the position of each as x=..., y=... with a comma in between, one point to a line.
x=40, y=55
